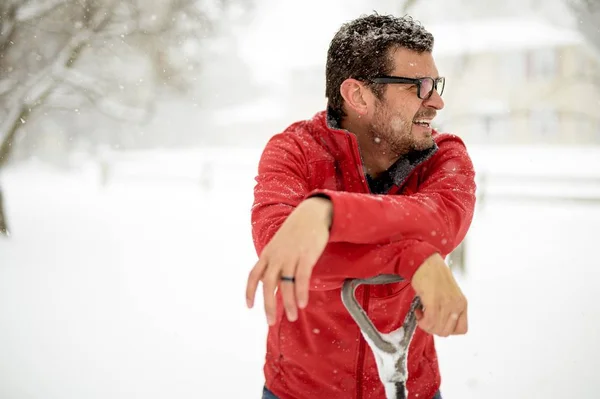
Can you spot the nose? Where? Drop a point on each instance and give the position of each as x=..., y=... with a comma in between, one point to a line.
x=435, y=101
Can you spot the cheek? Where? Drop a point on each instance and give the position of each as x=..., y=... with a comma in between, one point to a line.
x=413, y=111
x=408, y=106
x=405, y=108
x=400, y=123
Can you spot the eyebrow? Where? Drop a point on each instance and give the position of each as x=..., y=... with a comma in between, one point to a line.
x=424, y=76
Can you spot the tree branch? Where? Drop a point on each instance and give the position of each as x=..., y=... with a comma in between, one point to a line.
x=7, y=25
x=6, y=85
x=36, y=10
x=38, y=88
x=91, y=89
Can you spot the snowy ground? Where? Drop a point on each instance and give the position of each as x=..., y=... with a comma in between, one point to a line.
x=136, y=290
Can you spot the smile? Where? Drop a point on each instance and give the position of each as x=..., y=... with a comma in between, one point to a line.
x=423, y=122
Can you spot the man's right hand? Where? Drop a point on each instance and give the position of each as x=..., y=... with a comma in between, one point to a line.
x=444, y=305
x=292, y=252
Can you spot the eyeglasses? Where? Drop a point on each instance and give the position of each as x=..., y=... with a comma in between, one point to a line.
x=425, y=86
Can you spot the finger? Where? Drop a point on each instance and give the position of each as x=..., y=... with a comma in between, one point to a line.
x=419, y=314
x=303, y=273
x=425, y=327
x=288, y=294
x=441, y=321
x=253, y=278
x=450, y=325
x=429, y=319
x=269, y=285
x=462, y=325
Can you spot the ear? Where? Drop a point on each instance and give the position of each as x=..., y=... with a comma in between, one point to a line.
x=356, y=96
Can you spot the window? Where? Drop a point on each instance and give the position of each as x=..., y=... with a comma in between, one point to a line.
x=492, y=118
x=543, y=63
x=513, y=66
x=490, y=127
x=544, y=121
x=494, y=126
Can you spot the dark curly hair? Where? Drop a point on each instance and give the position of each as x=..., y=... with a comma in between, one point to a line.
x=361, y=48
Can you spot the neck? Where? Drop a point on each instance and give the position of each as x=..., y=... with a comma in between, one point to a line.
x=377, y=155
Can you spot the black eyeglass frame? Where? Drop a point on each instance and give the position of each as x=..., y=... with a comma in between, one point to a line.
x=386, y=79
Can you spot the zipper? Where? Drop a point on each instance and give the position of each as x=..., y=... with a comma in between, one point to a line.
x=362, y=348
x=358, y=160
x=365, y=299
x=394, y=190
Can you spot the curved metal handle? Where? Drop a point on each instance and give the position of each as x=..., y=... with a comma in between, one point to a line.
x=360, y=316
x=358, y=313
x=390, y=350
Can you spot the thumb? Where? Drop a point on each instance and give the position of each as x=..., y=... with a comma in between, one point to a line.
x=427, y=320
x=419, y=314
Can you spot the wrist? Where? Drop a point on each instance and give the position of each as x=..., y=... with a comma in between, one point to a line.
x=323, y=208
x=423, y=270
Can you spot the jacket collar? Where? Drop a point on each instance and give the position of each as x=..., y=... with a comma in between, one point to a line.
x=341, y=143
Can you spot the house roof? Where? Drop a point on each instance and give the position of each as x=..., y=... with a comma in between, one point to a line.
x=497, y=35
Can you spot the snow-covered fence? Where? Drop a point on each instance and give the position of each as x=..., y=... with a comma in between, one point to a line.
x=560, y=174
x=526, y=173
x=519, y=173
x=566, y=175
x=210, y=168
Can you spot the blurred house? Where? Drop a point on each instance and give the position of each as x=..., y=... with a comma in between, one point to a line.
x=518, y=81
x=509, y=81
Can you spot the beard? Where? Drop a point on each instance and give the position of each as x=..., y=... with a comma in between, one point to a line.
x=396, y=132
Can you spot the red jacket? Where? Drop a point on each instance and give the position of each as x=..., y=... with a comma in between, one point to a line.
x=322, y=355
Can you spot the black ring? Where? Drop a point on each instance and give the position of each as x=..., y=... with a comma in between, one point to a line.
x=290, y=279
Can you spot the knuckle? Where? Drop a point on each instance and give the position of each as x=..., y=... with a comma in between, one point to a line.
x=271, y=273
x=303, y=273
x=432, y=314
x=459, y=304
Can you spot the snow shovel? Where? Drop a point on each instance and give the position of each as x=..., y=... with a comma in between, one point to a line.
x=390, y=350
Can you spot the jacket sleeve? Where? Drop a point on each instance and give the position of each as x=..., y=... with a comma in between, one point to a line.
x=440, y=213
x=282, y=183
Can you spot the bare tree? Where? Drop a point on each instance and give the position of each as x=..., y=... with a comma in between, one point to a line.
x=64, y=53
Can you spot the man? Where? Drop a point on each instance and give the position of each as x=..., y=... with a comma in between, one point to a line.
x=363, y=188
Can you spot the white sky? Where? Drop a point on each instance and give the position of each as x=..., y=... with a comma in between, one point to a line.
x=292, y=33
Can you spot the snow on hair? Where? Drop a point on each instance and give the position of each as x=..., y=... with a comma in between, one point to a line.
x=360, y=48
